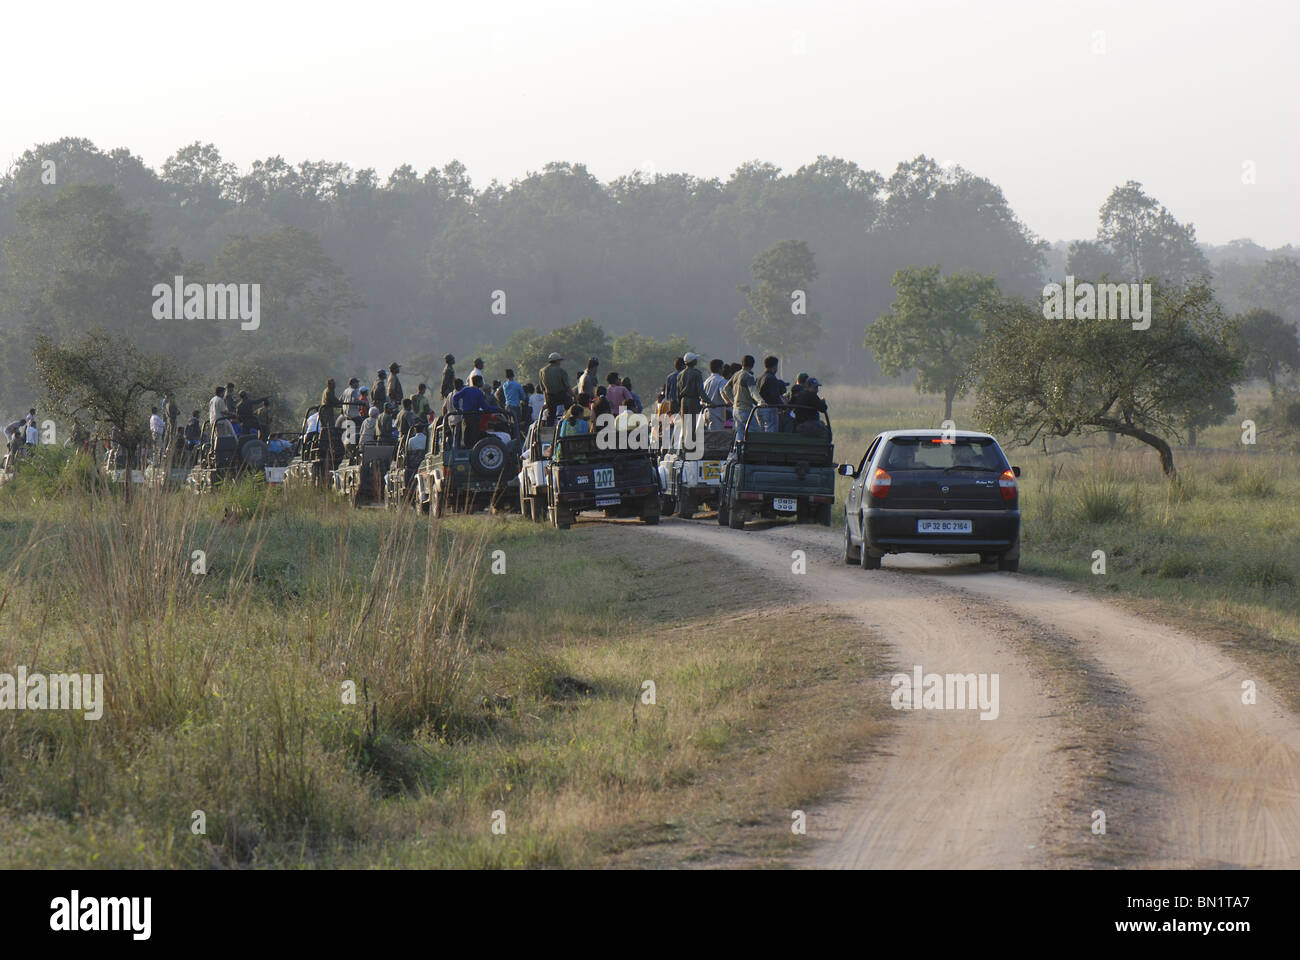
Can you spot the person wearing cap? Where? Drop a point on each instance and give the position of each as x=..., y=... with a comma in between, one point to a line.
x=808, y=405
x=798, y=385
x=690, y=387
x=395, y=393
x=588, y=382
x=554, y=381
x=379, y=389
x=448, y=377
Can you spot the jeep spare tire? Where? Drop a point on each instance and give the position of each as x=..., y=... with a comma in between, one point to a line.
x=488, y=457
x=253, y=452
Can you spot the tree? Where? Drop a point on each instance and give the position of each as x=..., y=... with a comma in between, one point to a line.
x=933, y=327
x=646, y=361
x=1143, y=239
x=104, y=375
x=1041, y=378
x=1276, y=287
x=778, y=320
x=1269, y=346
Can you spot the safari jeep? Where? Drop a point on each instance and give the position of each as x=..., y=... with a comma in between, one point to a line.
x=472, y=463
x=399, y=484
x=789, y=472
x=691, y=473
x=315, y=456
x=534, y=469
x=583, y=476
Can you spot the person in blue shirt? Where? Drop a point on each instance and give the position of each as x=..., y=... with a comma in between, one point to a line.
x=471, y=398
x=574, y=422
x=515, y=398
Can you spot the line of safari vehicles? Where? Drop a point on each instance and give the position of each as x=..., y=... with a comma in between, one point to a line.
x=625, y=467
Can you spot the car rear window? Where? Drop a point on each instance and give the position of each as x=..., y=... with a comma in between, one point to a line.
x=937, y=453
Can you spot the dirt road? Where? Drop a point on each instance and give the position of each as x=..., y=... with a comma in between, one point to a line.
x=1099, y=713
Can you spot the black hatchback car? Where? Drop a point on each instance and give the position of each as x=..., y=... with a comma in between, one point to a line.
x=933, y=491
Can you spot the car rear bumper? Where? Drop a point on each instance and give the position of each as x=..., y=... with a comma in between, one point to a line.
x=894, y=531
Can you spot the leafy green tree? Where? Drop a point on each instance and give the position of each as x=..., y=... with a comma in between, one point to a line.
x=1140, y=239
x=778, y=319
x=646, y=361
x=1040, y=378
x=105, y=376
x=1276, y=287
x=934, y=328
x=1270, y=346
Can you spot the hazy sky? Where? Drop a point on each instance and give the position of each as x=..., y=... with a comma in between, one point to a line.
x=1055, y=102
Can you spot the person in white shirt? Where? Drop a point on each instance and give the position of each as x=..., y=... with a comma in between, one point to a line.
x=313, y=424
x=368, y=426
x=715, y=417
x=352, y=399
x=417, y=441
x=218, y=415
x=535, y=401
x=32, y=436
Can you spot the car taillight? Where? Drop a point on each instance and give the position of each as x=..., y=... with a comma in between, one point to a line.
x=879, y=485
x=1007, y=483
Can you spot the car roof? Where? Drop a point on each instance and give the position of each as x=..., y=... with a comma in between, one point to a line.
x=930, y=432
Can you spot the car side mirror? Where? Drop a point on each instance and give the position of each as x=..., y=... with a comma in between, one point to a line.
x=1015, y=471
x=845, y=470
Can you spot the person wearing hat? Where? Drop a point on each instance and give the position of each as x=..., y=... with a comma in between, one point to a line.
x=554, y=380
x=798, y=385
x=588, y=382
x=808, y=405
x=448, y=377
x=394, y=385
x=379, y=389
x=690, y=387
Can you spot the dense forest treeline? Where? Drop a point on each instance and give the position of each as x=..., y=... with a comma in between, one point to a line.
x=357, y=270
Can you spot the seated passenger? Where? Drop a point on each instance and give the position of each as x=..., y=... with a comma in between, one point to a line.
x=575, y=422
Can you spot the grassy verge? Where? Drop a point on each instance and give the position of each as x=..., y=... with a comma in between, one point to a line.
x=1217, y=551
x=499, y=671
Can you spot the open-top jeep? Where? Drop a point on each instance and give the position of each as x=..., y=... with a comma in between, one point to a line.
x=224, y=455
x=316, y=454
x=473, y=462
x=785, y=472
x=534, y=469
x=582, y=476
x=399, y=484
x=691, y=473
x=362, y=476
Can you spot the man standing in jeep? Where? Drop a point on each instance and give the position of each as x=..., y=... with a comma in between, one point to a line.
x=555, y=387
x=395, y=394
x=448, y=376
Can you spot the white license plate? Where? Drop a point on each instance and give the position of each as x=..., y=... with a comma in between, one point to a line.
x=608, y=501
x=275, y=474
x=943, y=526
x=604, y=476
x=785, y=504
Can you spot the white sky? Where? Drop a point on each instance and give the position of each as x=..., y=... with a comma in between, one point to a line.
x=1183, y=95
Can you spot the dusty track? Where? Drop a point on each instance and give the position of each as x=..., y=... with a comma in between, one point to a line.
x=1157, y=736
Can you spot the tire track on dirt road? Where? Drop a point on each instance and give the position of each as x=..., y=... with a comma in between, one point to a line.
x=949, y=789
x=1217, y=782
